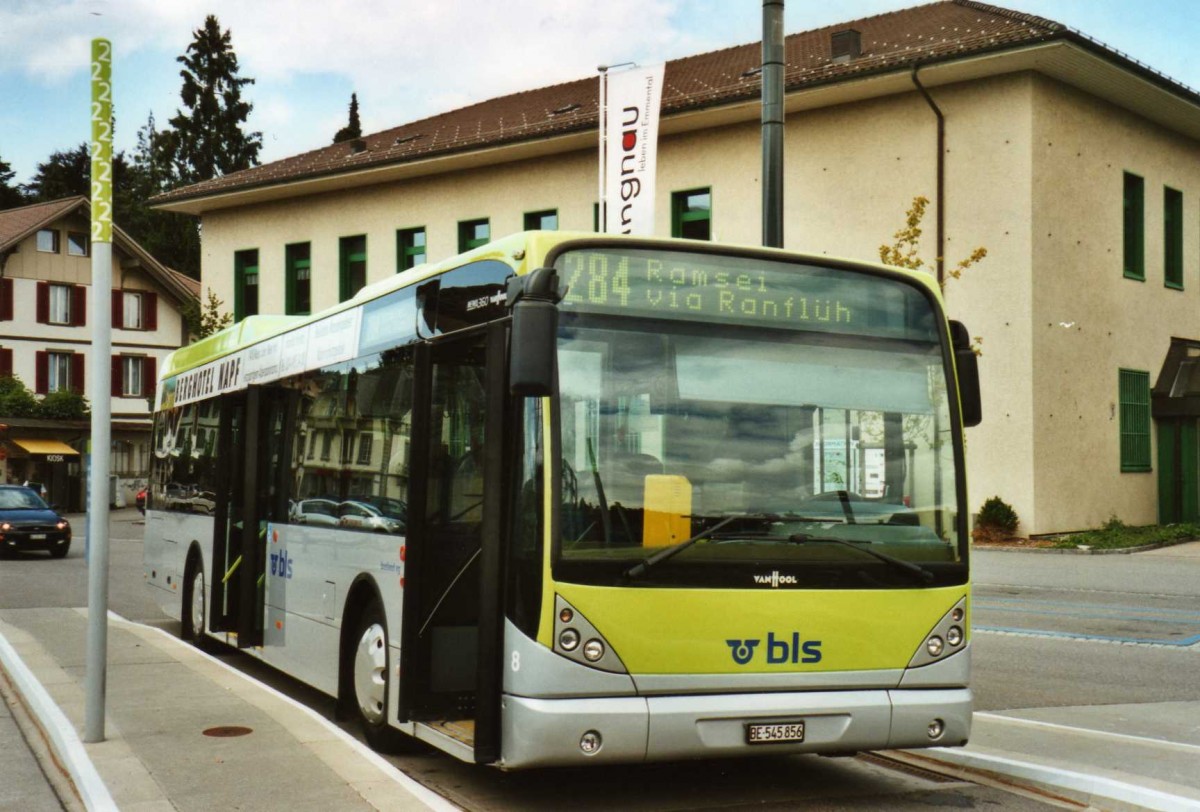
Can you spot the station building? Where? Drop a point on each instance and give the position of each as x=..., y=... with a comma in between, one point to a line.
x=45, y=342
x=1074, y=165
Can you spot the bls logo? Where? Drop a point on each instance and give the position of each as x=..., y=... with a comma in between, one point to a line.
x=281, y=564
x=779, y=650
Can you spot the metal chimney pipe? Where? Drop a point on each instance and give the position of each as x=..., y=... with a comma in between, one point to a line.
x=772, y=124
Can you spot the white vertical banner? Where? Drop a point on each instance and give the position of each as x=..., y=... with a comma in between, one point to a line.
x=633, y=106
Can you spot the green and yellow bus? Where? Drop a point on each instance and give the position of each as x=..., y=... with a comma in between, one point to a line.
x=574, y=499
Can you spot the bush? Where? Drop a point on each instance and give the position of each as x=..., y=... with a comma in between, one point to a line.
x=63, y=405
x=996, y=514
x=15, y=399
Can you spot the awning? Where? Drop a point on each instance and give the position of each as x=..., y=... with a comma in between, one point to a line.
x=46, y=447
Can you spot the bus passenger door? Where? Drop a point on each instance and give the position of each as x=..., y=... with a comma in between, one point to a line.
x=452, y=615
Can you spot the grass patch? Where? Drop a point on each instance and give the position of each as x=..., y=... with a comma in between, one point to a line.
x=1116, y=535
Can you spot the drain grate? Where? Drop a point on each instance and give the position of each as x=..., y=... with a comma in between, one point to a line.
x=227, y=731
x=907, y=769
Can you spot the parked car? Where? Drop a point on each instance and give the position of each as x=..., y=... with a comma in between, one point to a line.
x=28, y=523
x=362, y=516
x=315, y=511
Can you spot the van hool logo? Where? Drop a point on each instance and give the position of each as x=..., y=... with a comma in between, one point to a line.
x=779, y=650
x=775, y=579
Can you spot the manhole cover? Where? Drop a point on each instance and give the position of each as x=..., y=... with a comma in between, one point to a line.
x=227, y=731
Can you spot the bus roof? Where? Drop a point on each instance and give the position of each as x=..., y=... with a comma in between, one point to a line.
x=522, y=252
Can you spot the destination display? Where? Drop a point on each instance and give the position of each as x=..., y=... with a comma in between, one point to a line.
x=743, y=290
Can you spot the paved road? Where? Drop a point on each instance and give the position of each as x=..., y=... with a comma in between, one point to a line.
x=863, y=783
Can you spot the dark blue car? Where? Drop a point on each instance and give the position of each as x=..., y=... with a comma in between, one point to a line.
x=28, y=523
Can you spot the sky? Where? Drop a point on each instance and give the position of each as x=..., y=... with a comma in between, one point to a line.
x=408, y=59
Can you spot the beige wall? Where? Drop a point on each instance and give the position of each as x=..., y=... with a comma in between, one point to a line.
x=1082, y=147
x=1033, y=173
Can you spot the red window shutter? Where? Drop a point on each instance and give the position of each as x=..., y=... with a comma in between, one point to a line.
x=77, y=374
x=43, y=302
x=118, y=309
x=149, y=375
x=117, y=369
x=78, y=305
x=6, y=299
x=42, y=375
x=5, y=363
x=150, y=310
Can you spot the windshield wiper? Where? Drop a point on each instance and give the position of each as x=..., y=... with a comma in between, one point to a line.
x=908, y=566
x=662, y=555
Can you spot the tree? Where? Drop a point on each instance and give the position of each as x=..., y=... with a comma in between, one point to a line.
x=69, y=174
x=64, y=405
x=354, y=128
x=203, y=322
x=207, y=140
x=173, y=239
x=10, y=195
x=904, y=252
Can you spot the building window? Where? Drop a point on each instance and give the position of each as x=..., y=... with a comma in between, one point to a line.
x=58, y=371
x=47, y=241
x=1134, y=397
x=691, y=214
x=131, y=311
x=596, y=217
x=542, y=220
x=1173, y=238
x=298, y=276
x=245, y=284
x=77, y=244
x=1135, y=242
x=326, y=444
x=60, y=304
x=410, y=248
x=353, y=263
x=365, y=442
x=135, y=310
x=133, y=377
x=473, y=233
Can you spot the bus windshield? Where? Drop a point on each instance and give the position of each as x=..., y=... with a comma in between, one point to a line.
x=805, y=453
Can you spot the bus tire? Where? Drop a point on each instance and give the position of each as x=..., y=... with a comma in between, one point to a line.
x=367, y=661
x=193, y=622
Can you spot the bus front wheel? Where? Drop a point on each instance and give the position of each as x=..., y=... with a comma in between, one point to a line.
x=369, y=678
x=193, y=605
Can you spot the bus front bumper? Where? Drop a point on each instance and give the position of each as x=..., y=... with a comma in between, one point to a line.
x=552, y=732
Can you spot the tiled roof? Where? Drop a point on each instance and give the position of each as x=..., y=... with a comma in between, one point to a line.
x=17, y=224
x=921, y=35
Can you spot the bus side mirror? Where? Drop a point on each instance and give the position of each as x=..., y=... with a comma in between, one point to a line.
x=967, y=365
x=533, y=300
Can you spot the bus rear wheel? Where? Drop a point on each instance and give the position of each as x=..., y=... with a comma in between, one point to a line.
x=368, y=662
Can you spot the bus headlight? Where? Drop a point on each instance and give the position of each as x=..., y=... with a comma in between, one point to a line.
x=578, y=640
x=947, y=637
x=590, y=743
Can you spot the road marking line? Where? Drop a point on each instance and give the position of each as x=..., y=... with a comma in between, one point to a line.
x=1187, y=748
x=1185, y=642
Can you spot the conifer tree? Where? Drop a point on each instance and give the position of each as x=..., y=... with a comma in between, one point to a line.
x=354, y=128
x=206, y=139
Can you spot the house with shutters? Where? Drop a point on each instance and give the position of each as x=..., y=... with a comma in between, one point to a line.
x=46, y=298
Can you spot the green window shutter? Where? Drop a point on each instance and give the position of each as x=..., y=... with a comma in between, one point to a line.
x=245, y=284
x=352, y=273
x=1172, y=238
x=1135, y=242
x=298, y=279
x=473, y=233
x=1134, y=398
x=410, y=248
x=691, y=214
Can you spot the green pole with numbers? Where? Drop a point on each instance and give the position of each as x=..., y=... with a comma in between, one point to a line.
x=99, y=391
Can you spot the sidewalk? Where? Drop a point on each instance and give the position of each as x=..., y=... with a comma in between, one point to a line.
x=162, y=695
